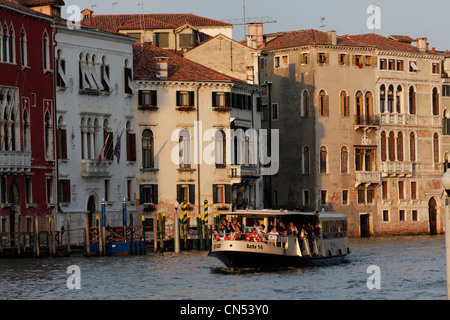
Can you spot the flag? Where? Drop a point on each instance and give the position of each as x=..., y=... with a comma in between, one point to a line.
x=117, y=147
x=105, y=142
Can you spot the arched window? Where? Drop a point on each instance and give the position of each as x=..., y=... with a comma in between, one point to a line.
x=383, y=146
x=104, y=75
x=83, y=138
x=6, y=131
x=436, y=148
x=345, y=104
x=220, y=149
x=359, y=108
x=48, y=135
x=5, y=43
x=412, y=100
x=382, y=98
x=400, y=146
x=305, y=103
x=11, y=46
x=435, y=102
x=23, y=48
x=391, y=142
x=398, y=99
x=391, y=99
x=323, y=103
x=412, y=146
x=147, y=149
x=46, y=52
x=26, y=131
x=305, y=168
x=344, y=160
x=185, y=149
x=323, y=159
x=369, y=106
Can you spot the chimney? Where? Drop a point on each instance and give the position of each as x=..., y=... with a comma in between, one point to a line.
x=332, y=39
x=87, y=14
x=162, y=67
x=251, y=41
x=422, y=44
x=256, y=31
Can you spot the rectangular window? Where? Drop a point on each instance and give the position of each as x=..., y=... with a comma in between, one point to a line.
x=435, y=68
x=370, y=196
x=221, y=99
x=323, y=197
x=49, y=190
x=161, y=39
x=63, y=191
x=304, y=58
x=413, y=190
x=383, y=64
x=446, y=90
x=185, y=98
x=306, y=197
x=221, y=193
x=322, y=58
x=414, y=215
x=277, y=62
x=3, y=188
x=361, y=196
x=402, y=215
x=401, y=190
x=107, y=190
x=399, y=65
x=186, y=192
x=391, y=64
x=385, y=215
x=274, y=111
x=149, y=193
x=344, y=59
x=413, y=66
x=384, y=185
x=344, y=197
x=61, y=141
x=130, y=190
x=28, y=194
x=147, y=98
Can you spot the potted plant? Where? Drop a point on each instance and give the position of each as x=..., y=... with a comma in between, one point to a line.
x=149, y=207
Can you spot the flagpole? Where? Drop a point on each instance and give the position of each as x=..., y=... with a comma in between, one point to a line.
x=118, y=143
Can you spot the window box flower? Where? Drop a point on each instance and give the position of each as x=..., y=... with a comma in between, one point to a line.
x=148, y=108
x=186, y=108
x=222, y=109
x=223, y=208
x=149, y=207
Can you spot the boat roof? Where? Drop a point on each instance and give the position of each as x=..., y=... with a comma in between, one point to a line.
x=280, y=213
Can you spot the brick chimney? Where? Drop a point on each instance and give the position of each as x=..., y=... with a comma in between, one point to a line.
x=255, y=30
x=162, y=67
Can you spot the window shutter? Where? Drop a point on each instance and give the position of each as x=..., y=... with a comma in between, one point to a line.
x=154, y=193
x=192, y=193
x=228, y=99
x=66, y=190
x=191, y=98
x=325, y=105
x=259, y=104
x=228, y=193
x=141, y=194
x=373, y=61
x=342, y=105
x=179, y=193
x=110, y=147
x=153, y=98
x=141, y=98
x=178, y=98
x=214, y=99
x=63, y=144
x=131, y=146
x=250, y=102
x=214, y=193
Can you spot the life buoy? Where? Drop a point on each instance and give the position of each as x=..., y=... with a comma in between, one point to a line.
x=253, y=237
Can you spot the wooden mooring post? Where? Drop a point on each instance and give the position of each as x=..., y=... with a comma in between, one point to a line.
x=52, y=218
x=155, y=232
x=86, y=235
x=68, y=235
x=36, y=236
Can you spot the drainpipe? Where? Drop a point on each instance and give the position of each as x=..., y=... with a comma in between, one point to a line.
x=199, y=151
x=55, y=123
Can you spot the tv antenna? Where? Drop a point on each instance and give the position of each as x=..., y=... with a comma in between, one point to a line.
x=322, y=19
x=113, y=5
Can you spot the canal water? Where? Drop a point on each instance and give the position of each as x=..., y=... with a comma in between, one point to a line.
x=406, y=268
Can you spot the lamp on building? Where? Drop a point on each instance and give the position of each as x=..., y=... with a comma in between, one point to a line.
x=445, y=180
x=177, y=229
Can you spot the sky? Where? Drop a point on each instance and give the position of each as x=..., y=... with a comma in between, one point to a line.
x=415, y=18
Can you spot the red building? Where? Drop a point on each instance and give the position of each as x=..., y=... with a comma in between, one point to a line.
x=27, y=139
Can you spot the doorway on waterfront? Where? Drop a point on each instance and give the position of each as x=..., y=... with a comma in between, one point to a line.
x=364, y=222
x=14, y=209
x=432, y=212
x=91, y=210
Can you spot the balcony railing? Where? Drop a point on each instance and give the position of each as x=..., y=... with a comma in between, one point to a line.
x=245, y=172
x=367, y=177
x=367, y=121
x=93, y=168
x=15, y=161
x=397, y=168
x=397, y=118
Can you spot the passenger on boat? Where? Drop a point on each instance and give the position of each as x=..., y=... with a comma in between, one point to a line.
x=292, y=230
x=236, y=226
x=273, y=235
x=261, y=229
x=303, y=233
x=281, y=226
x=253, y=236
x=225, y=227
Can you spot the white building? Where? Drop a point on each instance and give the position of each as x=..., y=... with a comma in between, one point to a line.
x=94, y=102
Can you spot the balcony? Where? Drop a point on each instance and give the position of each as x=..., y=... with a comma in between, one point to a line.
x=95, y=169
x=242, y=172
x=367, y=178
x=397, y=168
x=367, y=122
x=397, y=118
x=15, y=161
